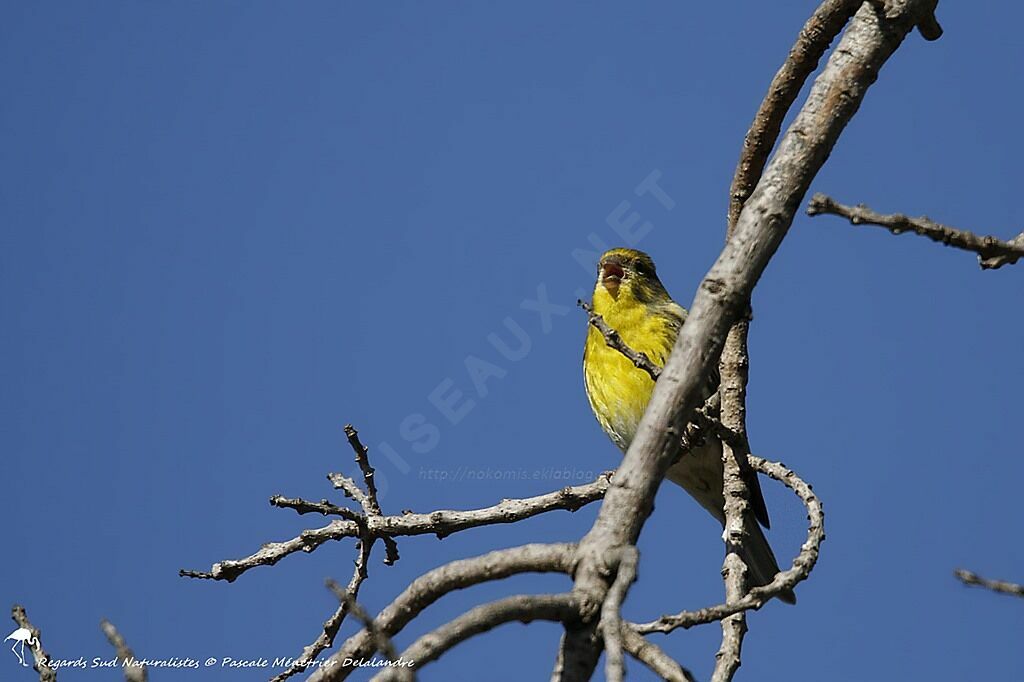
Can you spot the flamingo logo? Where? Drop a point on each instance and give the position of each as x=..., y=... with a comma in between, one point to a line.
x=20, y=636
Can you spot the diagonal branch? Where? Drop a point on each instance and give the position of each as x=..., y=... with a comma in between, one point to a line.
x=332, y=625
x=815, y=37
x=614, y=340
x=431, y=586
x=722, y=298
x=42, y=659
x=1001, y=586
x=524, y=608
x=380, y=640
x=652, y=655
x=134, y=670
x=992, y=252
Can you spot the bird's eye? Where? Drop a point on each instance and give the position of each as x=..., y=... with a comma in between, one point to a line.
x=640, y=269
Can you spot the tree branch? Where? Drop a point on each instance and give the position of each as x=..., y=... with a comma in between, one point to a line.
x=992, y=252
x=332, y=625
x=1001, y=586
x=431, y=586
x=380, y=640
x=524, y=608
x=440, y=523
x=41, y=665
x=133, y=671
x=371, y=507
x=802, y=566
x=651, y=655
x=816, y=35
x=612, y=338
x=812, y=42
x=723, y=295
x=611, y=615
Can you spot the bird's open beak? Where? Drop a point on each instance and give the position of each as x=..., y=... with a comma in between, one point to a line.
x=611, y=276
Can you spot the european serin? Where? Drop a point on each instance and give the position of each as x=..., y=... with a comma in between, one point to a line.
x=633, y=301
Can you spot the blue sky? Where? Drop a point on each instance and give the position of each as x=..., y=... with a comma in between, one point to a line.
x=230, y=228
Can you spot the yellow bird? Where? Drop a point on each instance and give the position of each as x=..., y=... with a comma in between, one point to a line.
x=633, y=301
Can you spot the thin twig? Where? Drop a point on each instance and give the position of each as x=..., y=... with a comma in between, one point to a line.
x=134, y=671
x=441, y=523
x=325, y=639
x=612, y=338
x=1001, y=586
x=323, y=507
x=992, y=252
x=380, y=639
x=784, y=581
x=363, y=460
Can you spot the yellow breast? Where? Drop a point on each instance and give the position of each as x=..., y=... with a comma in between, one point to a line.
x=618, y=391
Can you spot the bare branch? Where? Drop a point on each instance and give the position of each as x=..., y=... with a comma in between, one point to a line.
x=332, y=625
x=440, y=523
x=433, y=585
x=363, y=460
x=612, y=338
x=134, y=671
x=815, y=37
x=29, y=634
x=524, y=608
x=380, y=640
x=323, y=507
x=724, y=293
x=272, y=552
x=611, y=615
x=927, y=24
x=371, y=507
x=802, y=566
x=1001, y=586
x=992, y=252
x=652, y=655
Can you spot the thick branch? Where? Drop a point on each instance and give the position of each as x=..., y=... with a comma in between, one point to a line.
x=1001, y=586
x=33, y=641
x=992, y=252
x=815, y=37
x=651, y=655
x=524, y=608
x=433, y=585
x=723, y=295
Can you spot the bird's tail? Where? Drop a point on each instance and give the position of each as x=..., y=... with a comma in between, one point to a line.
x=760, y=560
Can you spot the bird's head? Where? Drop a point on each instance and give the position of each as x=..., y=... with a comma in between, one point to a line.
x=627, y=276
